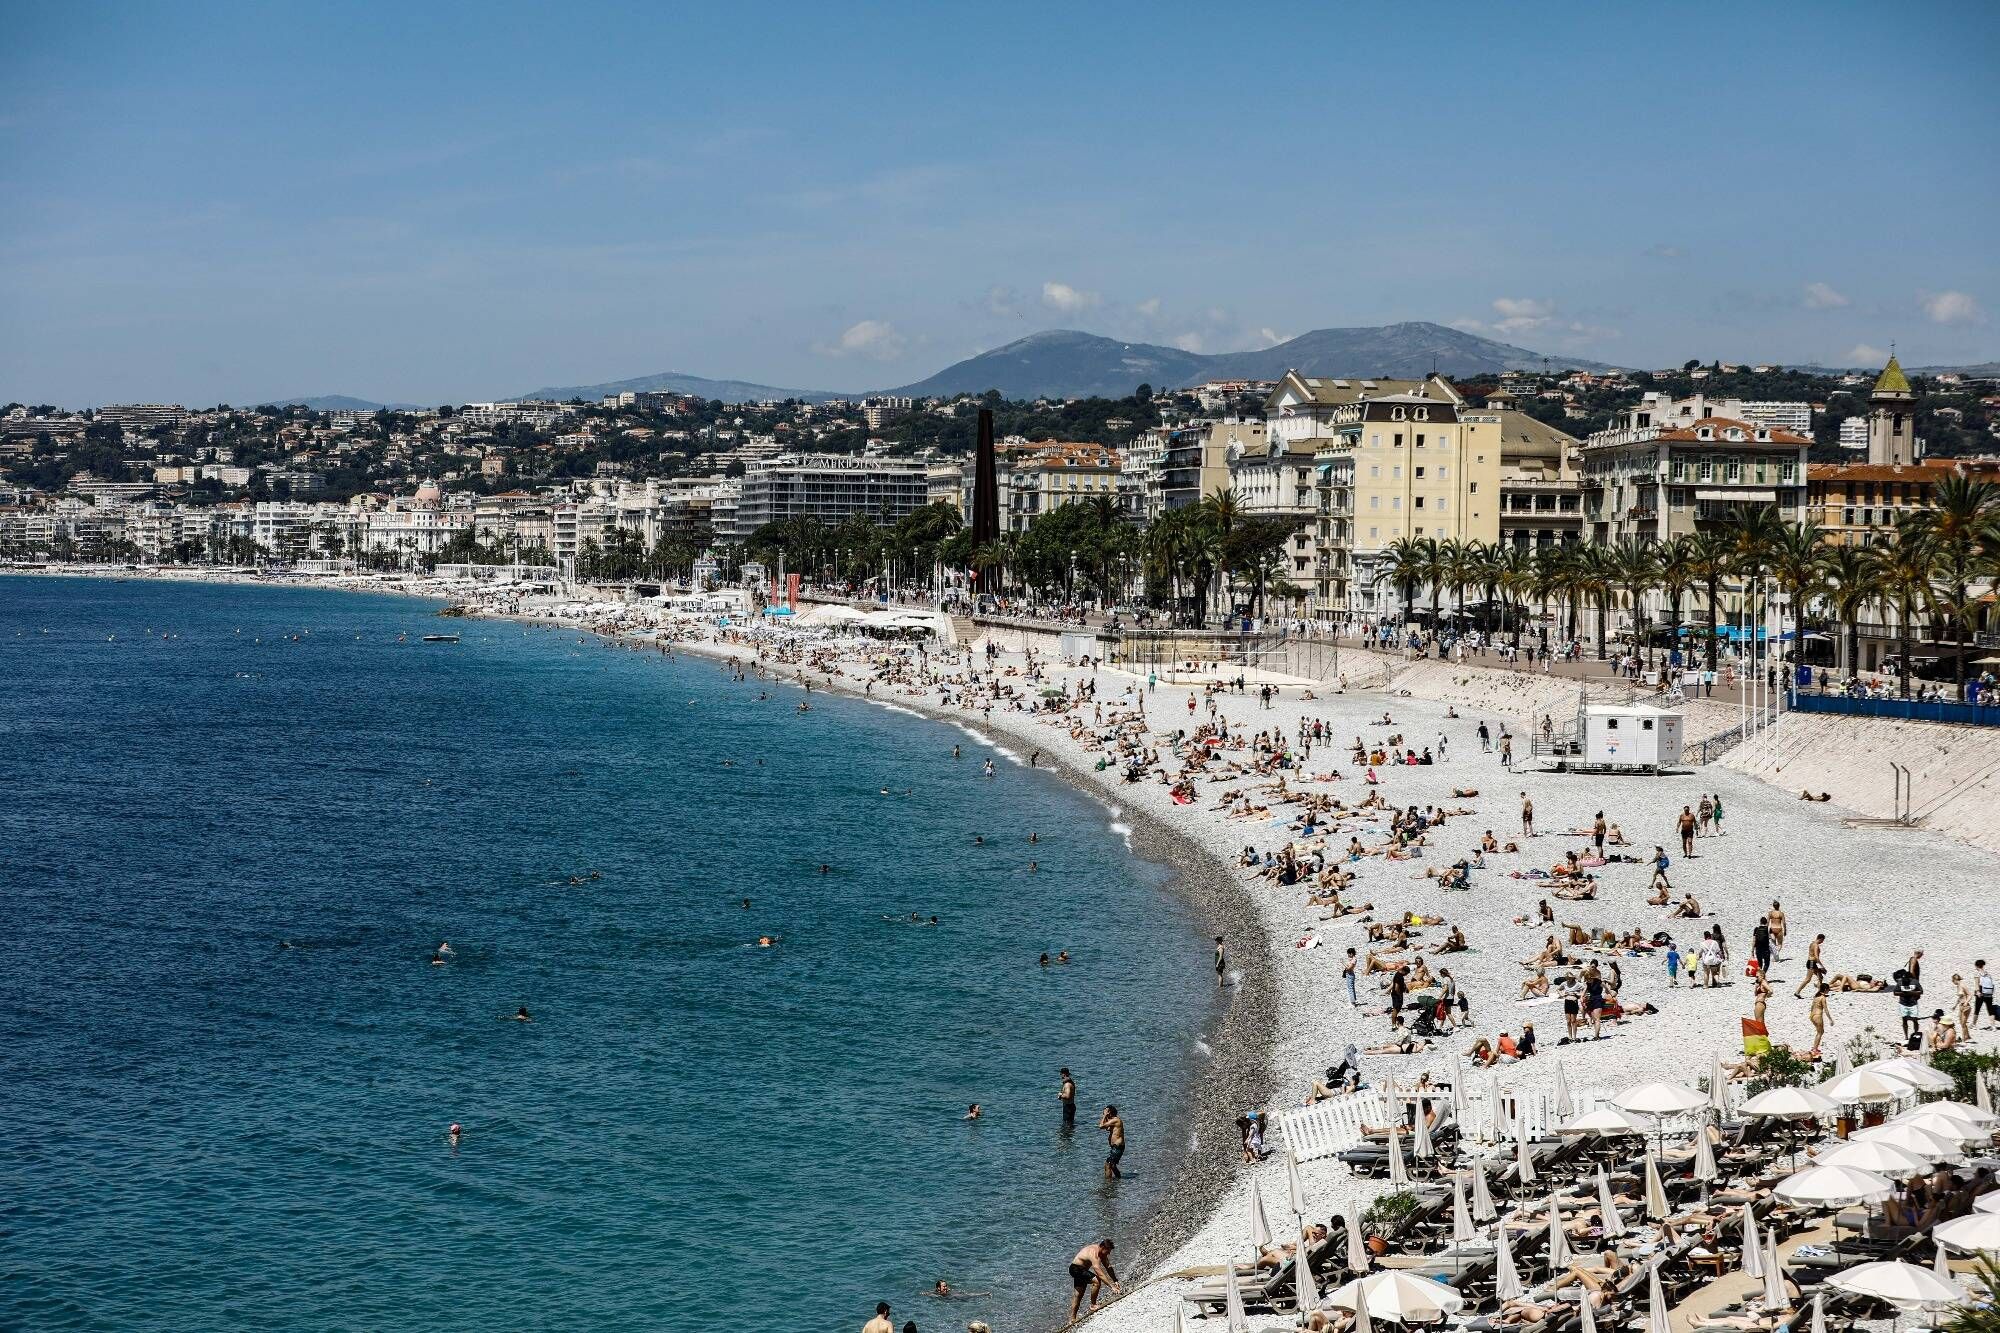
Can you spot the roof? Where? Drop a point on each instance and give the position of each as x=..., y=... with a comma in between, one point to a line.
x=1827, y=472
x=1892, y=379
x=1691, y=433
x=1518, y=430
x=1338, y=391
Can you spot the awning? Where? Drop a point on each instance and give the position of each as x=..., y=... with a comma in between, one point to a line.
x=1740, y=497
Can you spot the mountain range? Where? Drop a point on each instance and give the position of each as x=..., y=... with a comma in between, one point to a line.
x=693, y=386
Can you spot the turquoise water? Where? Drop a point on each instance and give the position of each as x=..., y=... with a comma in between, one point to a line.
x=227, y=1066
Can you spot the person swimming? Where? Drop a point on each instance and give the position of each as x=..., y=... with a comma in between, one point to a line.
x=522, y=1015
x=452, y=1135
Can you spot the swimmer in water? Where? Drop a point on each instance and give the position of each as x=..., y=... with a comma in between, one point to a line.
x=971, y=1113
x=766, y=941
x=979, y=840
x=746, y=904
x=522, y=1015
x=1033, y=866
x=1034, y=837
x=452, y=1134
x=1063, y=957
x=444, y=949
x=989, y=768
x=1045, y=960
x=825, y=869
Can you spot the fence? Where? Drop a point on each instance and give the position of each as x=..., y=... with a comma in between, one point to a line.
x=1906, y=710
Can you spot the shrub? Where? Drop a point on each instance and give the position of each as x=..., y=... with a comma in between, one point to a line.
x=1965, y=1067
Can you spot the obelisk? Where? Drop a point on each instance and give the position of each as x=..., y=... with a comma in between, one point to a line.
x=985, y=503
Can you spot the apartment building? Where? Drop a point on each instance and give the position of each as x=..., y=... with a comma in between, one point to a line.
x=1039, y=478
x=830, y=488
x=1859, y=504
x=1659, y=473
x=1541, y=488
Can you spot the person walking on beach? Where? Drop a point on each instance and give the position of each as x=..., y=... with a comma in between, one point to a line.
x=1707, y=815
x=1597, y=829
x=1716, y=801
x=1221, y=961
x=1090, y=1271
x=1114, y=1141
x=1527, y=816
x=1775, y=918
x=1067, y=1095
x=1817, y=1017
x=1815, y=968
x=1760, y=946
x=1485, y=739
x=1687, y=825
x=1506, y=751
x=1982, y=981
x=1347, y=977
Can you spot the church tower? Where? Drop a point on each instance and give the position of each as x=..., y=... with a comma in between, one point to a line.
x=1892, y=418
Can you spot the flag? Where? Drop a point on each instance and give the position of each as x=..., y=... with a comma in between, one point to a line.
x=1756, y=1038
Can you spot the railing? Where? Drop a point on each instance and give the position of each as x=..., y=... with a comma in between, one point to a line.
x=1908, y=710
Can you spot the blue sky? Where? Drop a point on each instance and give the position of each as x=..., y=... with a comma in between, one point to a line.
x=442, y=202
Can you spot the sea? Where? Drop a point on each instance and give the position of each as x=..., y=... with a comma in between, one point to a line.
x=238, y=822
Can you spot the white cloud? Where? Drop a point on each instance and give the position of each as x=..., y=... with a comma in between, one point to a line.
x=1061, y=296
x=1864, y=355
x=1148, y=307
x=1951, y=308
x=1521, y=314
x=1003, y=300
x=875, y=339
x=1819, y=296
x=1271, y=336
x=1188, y=342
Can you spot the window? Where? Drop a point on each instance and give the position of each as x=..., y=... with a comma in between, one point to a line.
x=1420, y=472
x=1610, y=724
x=1646, y=724
x=1374, y=502
x=1375, y=438
x=1395, y=502
x=1420, y=502
x=1441, y=504
x=1444, y=470
x=1373, y=533
x=1472, y=488
x=1420, y=439
x=1399, y=439
x=1396, y=472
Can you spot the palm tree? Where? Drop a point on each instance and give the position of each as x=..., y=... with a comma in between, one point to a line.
x=1221, y=509
x=1405, y=556
x=1847, y=575
x=1798, y=564
x=1753, y=532
x=1634, y=567
x=1901, y=570
x=1676, y=576
x=1710, y=558
x=1516, y=580
x=1595, y=578
x=1965, y=531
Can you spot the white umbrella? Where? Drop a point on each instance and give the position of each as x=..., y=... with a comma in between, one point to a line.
x=1179, y=1324
x=1987, y=1203
x=1524, y=1162
x=1905, y=1286
x=1400, y=1297
x=1941, y=1265
x=1605, y=1122
x=1656, y=1192
x=1614, y=1224
x=1482, y=1197
x=1788, y=1104
x=1981, y=1097
x=1944, y=1125
x=1718, y=1087
x=1913, y=1072
x=1774, y=1275
x=1457, y=1088
x=1357, y=1250
x=1586, y=1318
x=1260, y=1225
x=1834, y=1186
x=1660, y=1099
x=1295, y=1186
x=1232, y=1302
x=1560, y=1096
x=1971, y=1115
x=1975, y=1233
x=1819, y=1314
x=1558, y=1241
x=1363, y=1321
x=1656, y=1301
x=1868, y=1086
x=1705, y=1169
x=1499, y=1107
x=1753, y=1246
x=1507, y=1278
x=1841, y=1064
x=1308, y=1289
x=1912, y=1139
x=1399, y=1175
x=1884, y=1159
x=1420, y=1145
x=1462, y=1230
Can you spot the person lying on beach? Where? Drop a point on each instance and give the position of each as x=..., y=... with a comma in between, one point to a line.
x=1400, y=1041
x=1860, y=982
x=1808, y=796
x=1274, y=1257
x=1598, y=1278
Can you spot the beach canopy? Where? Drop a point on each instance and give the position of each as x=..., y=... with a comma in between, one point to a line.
x=1943, y=1124
x=1867, y=1085
x=1788, y=1104
x=1260, y=1225
x=1660, y=1099
x=1975, y=1233
x=1912, y=1139
x=1614, y=1222
x=1884, y=1159
x=1834, y=1186
x=1987, y=1203
x=1482, y=1196
x=1914, y=1072
x=1605, y=1122
x=1905, y=1286
x=1506, y=1277
x=1656, y=1192
x=1399, y=1297
x=1971, y=1115
x=1308, y=1292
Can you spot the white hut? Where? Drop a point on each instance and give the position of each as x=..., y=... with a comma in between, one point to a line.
x=1628, y=738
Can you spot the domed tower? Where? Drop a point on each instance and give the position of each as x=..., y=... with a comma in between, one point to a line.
x=1892, y=418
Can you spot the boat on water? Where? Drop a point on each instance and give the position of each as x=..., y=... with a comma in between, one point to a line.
x=440, y=638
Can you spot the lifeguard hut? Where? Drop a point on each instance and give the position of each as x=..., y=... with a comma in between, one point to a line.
x=1615, y=738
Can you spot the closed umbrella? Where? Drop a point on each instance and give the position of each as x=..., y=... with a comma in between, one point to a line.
x=1295, y=1186
x=1834, y=1187
x=1884, y=1159
x=1506, y=1278
x=1819, y=1314
x=1605, y=1122
x=1941, y=1265
x=1482, y=1197
x=1614, y=1224
x=1399, y=1297
x=1774, y=1275
x=1357, y=1249
x=1656, y=1192
x=1260, y=1225
x=1308, y=1289
x=1363, y=1321
x=1462, y=1230
x=1912, y=1139
x=1657, y=1099
x=1420, y=1144
x=1905, y=1286
x=1981, y=1097
x=1586, y=1318
x=1753, y=1249
x=1656, y=1301
x=1457, y=1089
x=1718, y=1087
x=1498, y=1107
x=1788, y=1104
x=1705, y=1169
x=1560, y=1096
x=1232, y=1302
x=1558, y=1240
x=1524, y=1162
x=1399, y=1175
x=1975, y=1233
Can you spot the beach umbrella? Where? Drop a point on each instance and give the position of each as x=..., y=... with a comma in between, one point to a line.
x=1420, y=1143
x=1506, y=1277
x=1866, y=1086
x=1295, y=1186
x=1399, y=1297
x=1586, y=1318
x=1357, y=1250
x=1912, y=1139
x=1718, y=1087
x=1944, y=1125
x=1658, y=1099
x=1524, y=1162
x=1913, y=1072
x=1975, y=1233
x=1774, y=1274
x=1180, y=1324
x=1982, y=1098
x=1905, y=1286
x=1363, y=1321
x=1482, y=1197
x=1819, y=1314
x=1884, y=1159
x=1605, y=1122
x=1656, y=1301
x=1260, y=1225
x=1834, y=1187
x=1399, y=1174
x=1498, y=1107
x=1987, y=1203
x=1753, y=1247
x=1788, y=1104
x=1941, y=1265
x=1457, y=1088
x=1558, y=1240
x=1462, y=1230
x=1971, y=1115
x=1656, y=1192
x=1560, y=1096
x=1614, y=1223
x=1232, y=1302
x=1705, y=1169
x=1308, y=1289
x=1841, y=1064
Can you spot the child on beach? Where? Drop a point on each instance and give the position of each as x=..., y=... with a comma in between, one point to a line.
x=1673, y=964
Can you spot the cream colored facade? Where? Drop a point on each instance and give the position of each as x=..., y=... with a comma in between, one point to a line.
x=1392, y=459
